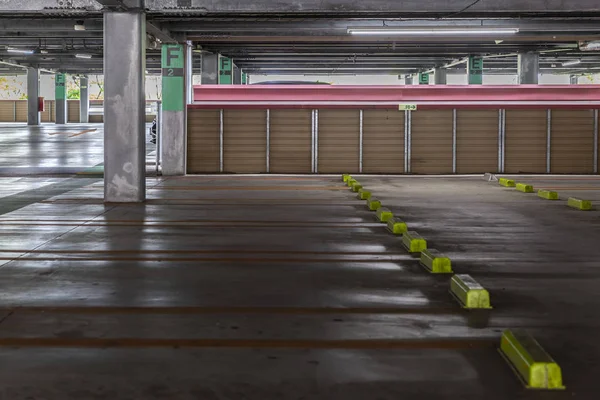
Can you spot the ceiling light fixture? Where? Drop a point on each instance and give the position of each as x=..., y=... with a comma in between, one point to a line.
x=79, y=26
x=86, y=56
x=571, y=62
x=590, y=46
x=389, y=31
x=21, y=51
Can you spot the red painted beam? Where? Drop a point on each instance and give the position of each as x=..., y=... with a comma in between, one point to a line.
x=433, y=97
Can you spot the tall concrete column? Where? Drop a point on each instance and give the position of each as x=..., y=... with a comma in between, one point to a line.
x=210, y=69
x=173, y=107
x=33, y=92
x=189, y=72
x=573, y=79
x=84, y=100
x=124, y=106
x=61, y=98
x=475, y=70
x=439, y=76
x=237, y=75
x=408, y=80
x=528, y=68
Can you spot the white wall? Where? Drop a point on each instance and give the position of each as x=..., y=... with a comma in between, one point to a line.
x=14, y=87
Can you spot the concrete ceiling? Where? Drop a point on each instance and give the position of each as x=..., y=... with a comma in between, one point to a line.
x=309, y=36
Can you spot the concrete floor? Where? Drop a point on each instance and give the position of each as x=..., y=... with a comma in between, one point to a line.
x=281, y=287
x=51, y=149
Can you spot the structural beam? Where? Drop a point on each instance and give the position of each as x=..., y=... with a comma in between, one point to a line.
x=124, y=107
x=33, y=92
x=528, y=68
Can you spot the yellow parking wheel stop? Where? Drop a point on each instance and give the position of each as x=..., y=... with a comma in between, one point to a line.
x=383, y=214
x=506, y=182
x=522, y=187
x=469, y=293
x=547, y=194
x=413, y=242
x=578, y=204
x=435, y=262
x=364, y=194
x=397, y=226
x=373, y=204
x=356, y=187
x=531, y=363
x=345, y=177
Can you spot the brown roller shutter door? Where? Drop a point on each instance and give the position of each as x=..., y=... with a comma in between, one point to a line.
x=572, y=142
x=476, y=141
x=431, y=144
x=525, y=141
x=203, y=141
x=21, y=111
x=245, y=141
x=290, y=141
x=338, y=141
x=383, y=141
x=7, y=111
x=73, y=110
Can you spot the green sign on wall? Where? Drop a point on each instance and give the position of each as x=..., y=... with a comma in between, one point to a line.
x=475, y=70
x=60, y=83
x=172, y=63
x=423, y=78
x=225, y=71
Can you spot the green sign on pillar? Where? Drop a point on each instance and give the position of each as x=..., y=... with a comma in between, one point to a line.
x=475, y=70
x=60, y=90
x=225, y=71
x=244, y=78
x=172, y=64
x=423, y=78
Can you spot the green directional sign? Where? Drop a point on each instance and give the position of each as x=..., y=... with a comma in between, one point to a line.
x=475, y=70
x=60, y=83
x=423, y=79
x=225, y=71
x=173, y=85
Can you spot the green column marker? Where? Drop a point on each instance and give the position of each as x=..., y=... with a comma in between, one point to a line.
x=475, y=70
x=173, y=86
x=59, y=87
x=225, y=71
x=244, y=78
x=423, y=78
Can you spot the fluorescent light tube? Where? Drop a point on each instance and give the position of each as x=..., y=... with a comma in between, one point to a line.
x=87, y=56
x=571, y=62
x=16, y=50
x=432, y=31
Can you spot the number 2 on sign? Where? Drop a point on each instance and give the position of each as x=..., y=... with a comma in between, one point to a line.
x=407, y=107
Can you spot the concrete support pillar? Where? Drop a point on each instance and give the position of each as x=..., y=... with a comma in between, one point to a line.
x=237, y=75
x=124, y=106
x=475, y=70
x=210, y=69
x=84, y=100
x=528, y=68
x=60, y=82
x=33, y=92
x=439, y=76
x=408, y=80
x=189, y=72
x=173, y=109
x=573, y=79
